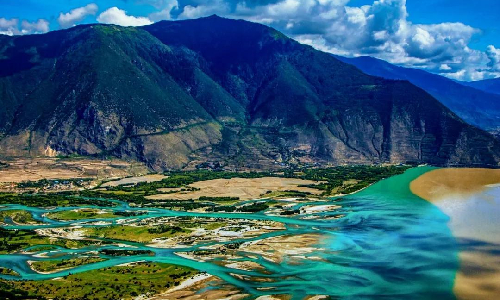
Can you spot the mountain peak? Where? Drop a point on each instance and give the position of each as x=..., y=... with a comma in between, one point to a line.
x=214, y=16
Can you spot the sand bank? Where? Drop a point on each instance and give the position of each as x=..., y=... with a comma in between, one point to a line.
x=460, y=183
x=471, y=198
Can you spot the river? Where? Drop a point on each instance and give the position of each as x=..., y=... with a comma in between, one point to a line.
x=388, y=243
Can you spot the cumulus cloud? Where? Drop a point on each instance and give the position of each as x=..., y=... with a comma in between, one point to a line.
x=494, y=58
x=9, y=27
x=116, y=16
x=40, y=26
x=76, y=15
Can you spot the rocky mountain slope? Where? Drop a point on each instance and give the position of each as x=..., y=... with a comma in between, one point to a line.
x=218, y=91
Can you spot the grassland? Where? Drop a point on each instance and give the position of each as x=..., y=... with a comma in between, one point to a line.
x=48, y=266
x=7, y=271
x=15, y=240
x=17, y=216
x=120, y=282
x=141, y=234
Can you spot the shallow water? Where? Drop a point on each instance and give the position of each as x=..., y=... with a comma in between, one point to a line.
x=389, y=243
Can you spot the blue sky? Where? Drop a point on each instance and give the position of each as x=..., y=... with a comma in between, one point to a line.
x=455, y=38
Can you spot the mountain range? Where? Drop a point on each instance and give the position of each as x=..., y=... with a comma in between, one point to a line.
x=475, y=105
x=182, y=94
x=487, y=85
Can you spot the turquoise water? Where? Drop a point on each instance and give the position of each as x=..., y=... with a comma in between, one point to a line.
x=389, y=244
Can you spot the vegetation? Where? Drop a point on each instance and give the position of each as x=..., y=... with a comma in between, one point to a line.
x=10, y=292
x=114, y=252
x=219, y=199
x=252, y=208
x=6, y=271
x=55, y=265
x=162, y=228
x=17, y=216
x=52, y=199
x=346, y=180
x=139, y=234
x=43, y=183
x=289, y=194
x=120, y=282
x=15, y=240
x=126, y=213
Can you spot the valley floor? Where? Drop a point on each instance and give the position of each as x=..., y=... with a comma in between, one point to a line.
x=296, y=234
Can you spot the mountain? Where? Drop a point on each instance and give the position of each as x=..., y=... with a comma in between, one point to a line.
x=474, y=106
x=186, y=93
x=488, y=85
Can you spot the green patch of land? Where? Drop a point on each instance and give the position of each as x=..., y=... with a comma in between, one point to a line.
x=44, y=183
x=15, y=240
x=346, y=179
x=288, y=194
x=17, y=216
x=251, y=208
x=120, y=282
x=7, y=271
x=47, y=266
x=116, y=252
x=51, y=199
x=141, y=234
x=79, y=214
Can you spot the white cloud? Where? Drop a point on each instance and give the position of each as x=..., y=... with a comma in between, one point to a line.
x=9, y=27
x=445, y=67
x=76, y=15
x=40, y=26
x=165, y=12
x=116, y=16
x=494, y=58
x=215, y=7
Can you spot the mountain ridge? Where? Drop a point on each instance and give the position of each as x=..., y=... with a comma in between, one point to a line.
x=180, y=94
x=488, y=85
x=477, y=107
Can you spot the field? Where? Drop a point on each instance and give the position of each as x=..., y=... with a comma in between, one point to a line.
x=17, y=170
x=243, y=188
